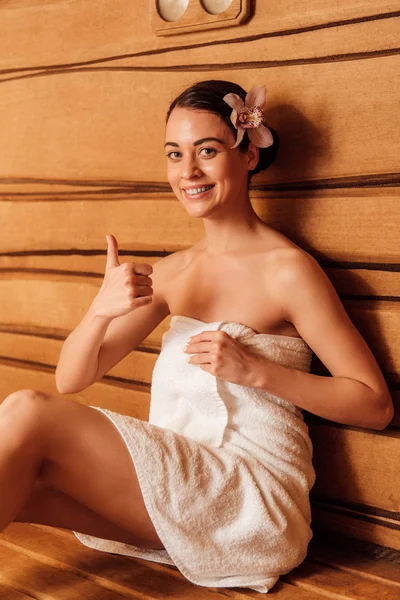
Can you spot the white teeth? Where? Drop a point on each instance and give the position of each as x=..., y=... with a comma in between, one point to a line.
x=198, y=190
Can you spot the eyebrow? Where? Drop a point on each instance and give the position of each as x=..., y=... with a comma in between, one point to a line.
x=206, y=139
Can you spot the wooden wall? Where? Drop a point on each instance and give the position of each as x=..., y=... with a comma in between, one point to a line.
x=84, y=88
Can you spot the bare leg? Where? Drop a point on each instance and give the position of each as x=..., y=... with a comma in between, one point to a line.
x=75, y=450
x=20, y=463
x=53, y=508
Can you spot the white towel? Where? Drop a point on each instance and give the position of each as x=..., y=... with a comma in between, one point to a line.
x=225, y=470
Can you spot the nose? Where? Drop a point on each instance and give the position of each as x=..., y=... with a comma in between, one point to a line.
x=189, y=167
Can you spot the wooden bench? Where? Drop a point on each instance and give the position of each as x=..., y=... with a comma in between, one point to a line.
x=41, y=562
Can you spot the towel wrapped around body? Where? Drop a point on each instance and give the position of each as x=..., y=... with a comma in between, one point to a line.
x=225, y=470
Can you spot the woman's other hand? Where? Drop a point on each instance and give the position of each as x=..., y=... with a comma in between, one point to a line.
x=221, y=355
x=125, y=287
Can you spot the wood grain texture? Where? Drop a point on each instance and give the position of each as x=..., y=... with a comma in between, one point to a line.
x=322, y=126
x=357, y=525
x=125, y=398
x=357, y=226
x=332, y=569
x=39, y=547
x=82, y=107
x=129, y=28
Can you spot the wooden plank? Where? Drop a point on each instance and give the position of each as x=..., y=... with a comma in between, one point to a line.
x=54, y=306
x=144, y=579
x=39, y=351
x=60, y=142
x=343, y=553
x=125, y=399
x=326, y=523
x=340, y=583
x=347, y=468
x=361, y=282
x=129, y=29
x=9, y=594
x=344, y=42
x=349, y=227
x=34, y=573
x=356, y=524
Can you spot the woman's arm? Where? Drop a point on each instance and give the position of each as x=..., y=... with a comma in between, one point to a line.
x=78, y=361
x=99, y=342
x=357, y=393
x=341, y=399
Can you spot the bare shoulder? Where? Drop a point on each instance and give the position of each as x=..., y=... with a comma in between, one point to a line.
x=312, y=304
x=284, y=262
x=165, y=268
x=293, y=262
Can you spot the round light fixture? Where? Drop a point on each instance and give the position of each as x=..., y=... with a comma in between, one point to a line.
x=215, y=7
x=171, y=10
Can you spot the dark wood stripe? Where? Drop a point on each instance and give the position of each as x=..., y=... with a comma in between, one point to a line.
x=41, y=332
x=340, y=540
x=343, y=507
x=326, y=263
x=86, y=274
x=360, y=181
x=209, y=68
x=79, y=252
x=369, y=297
x=35, y=332
x=87, y=185
x=235, y=40
x=369, y=266
x=39, y=366
x=143, y=187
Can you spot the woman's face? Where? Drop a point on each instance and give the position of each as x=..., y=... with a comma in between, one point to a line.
x=199, y=155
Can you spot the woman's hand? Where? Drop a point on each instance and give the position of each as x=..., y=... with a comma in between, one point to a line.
x=125, y=287
x=221, y=355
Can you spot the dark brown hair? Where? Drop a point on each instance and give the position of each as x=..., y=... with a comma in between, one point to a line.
x=208, y=95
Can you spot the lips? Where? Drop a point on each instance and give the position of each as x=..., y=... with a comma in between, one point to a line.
x=200, y=194
x=200, y=185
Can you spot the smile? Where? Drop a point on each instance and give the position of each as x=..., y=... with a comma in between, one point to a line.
x=198, y=192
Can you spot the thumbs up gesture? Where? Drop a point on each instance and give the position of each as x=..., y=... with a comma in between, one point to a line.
x=125, y=287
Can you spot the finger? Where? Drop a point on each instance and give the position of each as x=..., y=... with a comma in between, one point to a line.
x=143, y=290
x=143, y=269
x=112, y=252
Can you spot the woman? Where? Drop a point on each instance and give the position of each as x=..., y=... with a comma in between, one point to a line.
x=217, y=482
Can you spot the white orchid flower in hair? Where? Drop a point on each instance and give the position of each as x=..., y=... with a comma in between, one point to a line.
x=248, y=115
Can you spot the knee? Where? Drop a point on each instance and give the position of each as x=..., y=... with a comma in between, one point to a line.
x=23, y=403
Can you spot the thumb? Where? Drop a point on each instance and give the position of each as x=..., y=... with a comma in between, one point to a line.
x=112, y=252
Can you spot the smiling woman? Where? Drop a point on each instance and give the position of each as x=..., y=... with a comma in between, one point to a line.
x=225, y=461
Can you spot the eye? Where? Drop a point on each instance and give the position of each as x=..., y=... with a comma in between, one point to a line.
x=212, y=151
x=173, y=152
